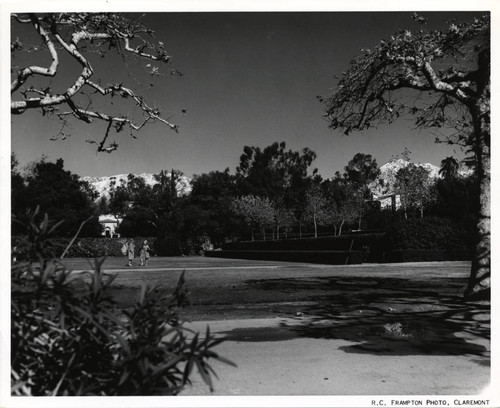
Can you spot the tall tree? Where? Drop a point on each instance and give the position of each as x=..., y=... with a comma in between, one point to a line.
x=451, y=68
x=449, y=168
x=413, y=185
x=317, y=209
x=344, y=199
x=360, y=172
x=275, y=172
x=257, y=211
x=19, y=197
x=61, y=194
x=146, y=209
x=210, y=200
x=83, y=39
x=283, y=218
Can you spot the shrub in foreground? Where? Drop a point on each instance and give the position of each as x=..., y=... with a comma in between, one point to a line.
x=68, y=337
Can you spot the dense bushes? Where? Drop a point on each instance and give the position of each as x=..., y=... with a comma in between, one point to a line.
x=370, y=246
x=68, y=336
x=165, y=245
x=170, y=245
x=82, y=248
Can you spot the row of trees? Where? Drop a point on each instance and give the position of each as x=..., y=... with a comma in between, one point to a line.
x=272, y=187
x=273, y=192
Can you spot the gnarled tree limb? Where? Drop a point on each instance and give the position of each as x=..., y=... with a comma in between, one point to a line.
x=68, y=32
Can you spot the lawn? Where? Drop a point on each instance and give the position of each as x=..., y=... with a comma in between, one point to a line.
x=222, y=288
x=419, y=303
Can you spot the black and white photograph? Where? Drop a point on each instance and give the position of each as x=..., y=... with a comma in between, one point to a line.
x=247, y=205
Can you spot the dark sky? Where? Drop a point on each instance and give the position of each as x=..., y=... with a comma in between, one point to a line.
x=248, y=79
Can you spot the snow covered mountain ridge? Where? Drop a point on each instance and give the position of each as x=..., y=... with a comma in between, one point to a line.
x=383, y=185
x=393, y=166
x=385, y=182
x=102, y=184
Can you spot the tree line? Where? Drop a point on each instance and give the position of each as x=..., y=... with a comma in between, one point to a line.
x=274, y=193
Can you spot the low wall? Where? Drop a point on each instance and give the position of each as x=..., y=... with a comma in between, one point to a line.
x=329, y=243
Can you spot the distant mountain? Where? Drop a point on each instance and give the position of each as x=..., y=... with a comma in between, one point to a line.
x=384, y=185
x=385, y=182
x=102, y=184
x=392, y=167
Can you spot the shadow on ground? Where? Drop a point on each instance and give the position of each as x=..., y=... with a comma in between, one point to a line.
x=384, y=316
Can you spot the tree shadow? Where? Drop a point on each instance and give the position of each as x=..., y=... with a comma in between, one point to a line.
x=394, y=316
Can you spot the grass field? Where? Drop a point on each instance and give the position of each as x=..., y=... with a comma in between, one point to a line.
x=222, y=288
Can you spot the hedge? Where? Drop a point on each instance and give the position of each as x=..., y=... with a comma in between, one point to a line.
x=431, y=233
x=86, y=247
x=329, y=243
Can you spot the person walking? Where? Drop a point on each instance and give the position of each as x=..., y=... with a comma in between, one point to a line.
x=130, y=251
x=145, y=253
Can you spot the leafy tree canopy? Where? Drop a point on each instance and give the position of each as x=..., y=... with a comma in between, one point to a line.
x=59, y=193
x=274, y=172
x=452, y=64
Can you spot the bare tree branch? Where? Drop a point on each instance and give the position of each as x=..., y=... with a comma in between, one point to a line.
x=95, y=31
x=25, y=73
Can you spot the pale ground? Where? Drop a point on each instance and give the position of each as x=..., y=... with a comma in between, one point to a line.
x=272, y=360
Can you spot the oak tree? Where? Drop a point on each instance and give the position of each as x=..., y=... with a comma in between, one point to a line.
x=442, y=79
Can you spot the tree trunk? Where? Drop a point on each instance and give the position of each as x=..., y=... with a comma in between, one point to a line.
x=480, y=277
x=360, y=215
x=315, y=227
x=403, y=202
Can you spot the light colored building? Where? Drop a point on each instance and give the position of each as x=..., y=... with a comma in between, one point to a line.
x=109, y=225
x=392, y=201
